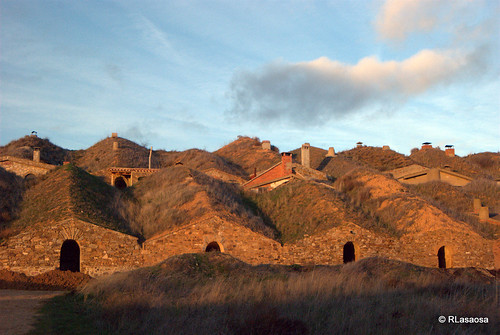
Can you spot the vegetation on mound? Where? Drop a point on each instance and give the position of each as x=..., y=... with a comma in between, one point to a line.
x=23, y=148
x=377, y=158
x=302, y=208
x=216, y=294
x=11, y=194
x=203, y=160
x=67, y=192
x=457, y=202
x=101, y=156
x=247, y=153
x=487, y=165
x=176, y=196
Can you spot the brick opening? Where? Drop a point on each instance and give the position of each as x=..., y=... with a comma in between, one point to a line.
x=70, y=256
x=120, y=183
x=349, y=252
x=213, y=247
x=444, y=258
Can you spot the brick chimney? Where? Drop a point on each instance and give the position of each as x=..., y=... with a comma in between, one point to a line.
x=386, y=148
x=305, y=155
x=449, y=150
x=426, y=145
x=114, y=135
x=36, y=154
x=286, y=163
x=359, y=145
x=266, y=145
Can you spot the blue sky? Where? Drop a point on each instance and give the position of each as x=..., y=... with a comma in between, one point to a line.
x=183, y=74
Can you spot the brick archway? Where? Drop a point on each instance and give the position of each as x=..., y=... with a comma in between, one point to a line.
x=349, y=254
x=120, y=183
x=214, y=246
x=70, y=256
x=444, y=257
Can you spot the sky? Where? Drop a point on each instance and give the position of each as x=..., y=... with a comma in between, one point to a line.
x=196, y=74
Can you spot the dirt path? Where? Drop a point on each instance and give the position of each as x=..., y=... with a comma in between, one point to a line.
x=18, y=309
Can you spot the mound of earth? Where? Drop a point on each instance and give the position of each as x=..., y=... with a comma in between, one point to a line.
x=50, y=281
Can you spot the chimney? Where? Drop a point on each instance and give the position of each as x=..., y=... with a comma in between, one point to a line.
x=449, y=150
x=286, y=162
x=477, y=205
x=114, y=135
x=36, y=154
x=305, y=155
x=484, y=213
x=331, y=152
x=359, y=144
x=386, y=148
x=426, y=145
x=266, y=145
x=115, y=145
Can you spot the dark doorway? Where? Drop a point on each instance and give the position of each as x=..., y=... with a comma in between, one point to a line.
x=213, y=246
x=442, y=258
x=349, y=253
x=120, y=183
x=70, y=256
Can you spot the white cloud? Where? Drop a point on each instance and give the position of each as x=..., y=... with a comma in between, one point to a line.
x=312, y=92
x=398, y=18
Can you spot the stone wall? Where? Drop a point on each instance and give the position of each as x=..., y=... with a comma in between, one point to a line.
x=23, y=167
x=234, y=239
x=37, y=249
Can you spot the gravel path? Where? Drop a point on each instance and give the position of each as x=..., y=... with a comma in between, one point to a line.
x=18, y=309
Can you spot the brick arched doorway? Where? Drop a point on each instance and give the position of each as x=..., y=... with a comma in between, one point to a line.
x=444, y=257
x=213, y=246
x=349, y=254
x=70, y=256
x=120, y=183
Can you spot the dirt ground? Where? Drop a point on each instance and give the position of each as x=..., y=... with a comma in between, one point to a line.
x=18, y=309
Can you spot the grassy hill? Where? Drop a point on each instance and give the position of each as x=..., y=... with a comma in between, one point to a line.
x=302, y=208
x=177, y=195
x=202, y=160
x=68, y=192
x=377, y=158
x=214, y=293
x=248, y=154
x=11, y=195
x=101, y=155
x=23, y=148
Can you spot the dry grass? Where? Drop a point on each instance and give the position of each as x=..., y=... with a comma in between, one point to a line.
x=301, y=207
x=23, y=148
x=247, y=153
x=377, y=158
x=457, y=201
x=177, y=195
x=214, y=293
x=11, y=195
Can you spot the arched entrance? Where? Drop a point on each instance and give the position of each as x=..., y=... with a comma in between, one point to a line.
x=349, y=252
x=444, y=257
x=70, y=256
x=213, y=246
x=120, y=183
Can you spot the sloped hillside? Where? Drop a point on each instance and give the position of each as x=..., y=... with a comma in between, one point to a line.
x=488, y=163
x=302, y=208
x=436, y=158
x=101, y=156
x=70, y=192
x=338, y=166
x=402, y=211
x=177, y=195
x=377, y=158
x=248, y=153
x=23, y=148
x=11, y=195
x=202, y=160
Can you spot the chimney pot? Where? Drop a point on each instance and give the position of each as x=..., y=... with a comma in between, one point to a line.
x=36, y=154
